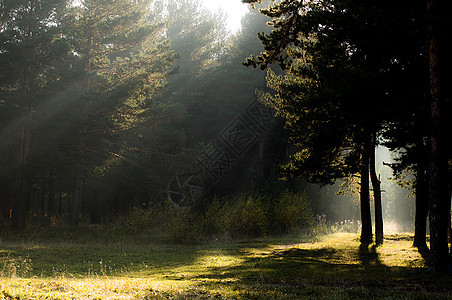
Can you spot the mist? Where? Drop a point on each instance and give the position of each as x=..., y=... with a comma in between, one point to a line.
x=157, y=107
x=225, y=149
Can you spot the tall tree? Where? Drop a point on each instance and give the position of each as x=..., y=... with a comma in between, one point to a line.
x=122, y=61
x=439, y=198
x=357, y=49
x=376, y=185
x=30, y=45
x=199, y=37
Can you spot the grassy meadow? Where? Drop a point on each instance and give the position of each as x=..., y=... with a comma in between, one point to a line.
x=84, y=264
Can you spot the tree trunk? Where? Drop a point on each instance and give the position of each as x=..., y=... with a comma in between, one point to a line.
x=60, y=202
x=21, y=198
x=376, y=185
x=366, y=222
x=19, y=203
x=4, y=198
x=94, y=208
x=51, y=198
x=77, y=197
x=420, y=223
x=77, y=201
x=42, y=198
x=438, y=206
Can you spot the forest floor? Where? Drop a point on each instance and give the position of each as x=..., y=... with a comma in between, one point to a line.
x=329, y=267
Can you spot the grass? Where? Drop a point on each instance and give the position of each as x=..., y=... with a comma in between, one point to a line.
x=68, y=266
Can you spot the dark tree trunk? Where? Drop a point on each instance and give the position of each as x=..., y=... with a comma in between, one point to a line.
x=376, y=185
x=21, y=198
x=438, y=206
x=77, y=201
x=51, y=198
x=60, y=202
x=450, y=230
x=94, y=208
x=420, y=223
x=42, y=198
x=19, y=204
x=366, y=221
x=4, y=198
x=77, y=197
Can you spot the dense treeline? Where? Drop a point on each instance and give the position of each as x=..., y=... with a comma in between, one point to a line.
x=76, y=79
x=102, y=103
x=359, y=74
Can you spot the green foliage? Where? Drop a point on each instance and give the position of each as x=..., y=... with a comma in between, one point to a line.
x=254, y=215
x=258, y=214
x=137, y=220
x=107, y=100
x=221, y=218
x=247, y=215
x=186, y=227
x=292, y=211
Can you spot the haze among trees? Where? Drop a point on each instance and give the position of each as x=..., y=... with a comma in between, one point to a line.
x=358, y=74
x=149, y=116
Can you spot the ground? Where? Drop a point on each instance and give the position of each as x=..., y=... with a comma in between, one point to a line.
x=142, y=267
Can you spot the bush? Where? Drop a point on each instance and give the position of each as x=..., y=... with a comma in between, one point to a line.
x=186, y=227
x=248, y=215
x=221, y=218
x=255, y=215
x=292, y=211
x=138, y=219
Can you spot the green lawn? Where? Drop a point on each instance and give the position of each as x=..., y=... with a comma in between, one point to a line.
x=143, y=267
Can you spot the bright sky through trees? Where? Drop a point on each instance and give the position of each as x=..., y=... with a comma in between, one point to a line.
x=235, y=10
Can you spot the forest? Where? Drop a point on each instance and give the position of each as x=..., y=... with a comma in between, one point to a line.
x=305, y=155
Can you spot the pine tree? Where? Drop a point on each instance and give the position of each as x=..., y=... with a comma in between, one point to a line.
x=342, y=57
x=30, y=45
x=121, y=61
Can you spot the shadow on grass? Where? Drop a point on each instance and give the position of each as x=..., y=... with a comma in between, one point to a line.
x=329, y=273
x=368, y=255
x=260, y=270
x=135, y=256
x=424, y=251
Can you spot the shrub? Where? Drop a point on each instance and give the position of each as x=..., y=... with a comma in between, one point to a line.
x=255, y=215
x=221, y=218
x=292, y=211
x=138, y=219
x=186, y=227
x=248, y=215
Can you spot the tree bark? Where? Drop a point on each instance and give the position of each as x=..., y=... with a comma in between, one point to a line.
x=77, y=201
x=19, y=203
x=376, y=185
x=77, y=197
x=420, y=223
x=438, y=206
x=94, y=208
x=366, y=222
x=51, y=197
x=22, y=195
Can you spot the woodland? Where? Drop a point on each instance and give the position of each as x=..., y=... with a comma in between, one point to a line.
x=132, y=117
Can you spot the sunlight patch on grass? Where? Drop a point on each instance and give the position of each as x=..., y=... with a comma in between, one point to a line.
x=335, y=265
x=217, y=260
x=90, y=288
x=105, y=288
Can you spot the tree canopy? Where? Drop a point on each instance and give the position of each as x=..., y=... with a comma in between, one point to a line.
x=356, y=74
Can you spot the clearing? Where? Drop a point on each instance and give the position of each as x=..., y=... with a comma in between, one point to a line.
x=330, y=267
